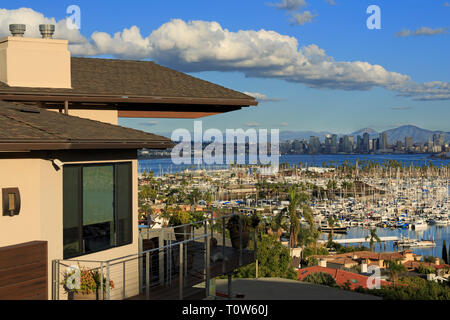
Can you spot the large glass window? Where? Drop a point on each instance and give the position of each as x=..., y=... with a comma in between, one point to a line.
x=97, y=207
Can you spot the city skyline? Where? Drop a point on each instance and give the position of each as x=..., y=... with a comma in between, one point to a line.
x=313, y=65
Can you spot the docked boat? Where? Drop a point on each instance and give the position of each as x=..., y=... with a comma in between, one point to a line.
x=337, y=228
x=442, y=222
x=419, y=224
x=407, y=242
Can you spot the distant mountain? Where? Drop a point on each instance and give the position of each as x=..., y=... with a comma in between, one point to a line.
x=418, y=134
x=372, y=133
x=299, y=135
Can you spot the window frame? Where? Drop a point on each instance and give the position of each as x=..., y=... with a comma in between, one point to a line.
x=80, y=212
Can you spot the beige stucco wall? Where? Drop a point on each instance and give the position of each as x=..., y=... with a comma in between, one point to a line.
x=40, y=63
x=40, y=217
x=107, y=116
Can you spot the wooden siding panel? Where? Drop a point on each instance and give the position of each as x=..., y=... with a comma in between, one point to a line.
x=23, y=271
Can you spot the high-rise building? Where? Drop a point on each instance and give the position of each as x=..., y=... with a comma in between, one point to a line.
x=408, y=143
x=347, y=144
x=365, y=143
x=334, y=144
x=314, y=145
x=383, y=141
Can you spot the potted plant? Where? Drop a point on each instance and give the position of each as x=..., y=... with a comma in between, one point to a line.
x=235, y=234
x=84, y=286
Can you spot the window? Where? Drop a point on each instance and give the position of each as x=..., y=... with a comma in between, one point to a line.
x=97, y=209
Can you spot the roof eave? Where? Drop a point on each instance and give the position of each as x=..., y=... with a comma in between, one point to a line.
x=114, y=145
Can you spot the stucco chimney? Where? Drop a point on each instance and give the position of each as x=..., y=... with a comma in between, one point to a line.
x=323, y=263
x=364, y=267
x=31, y=62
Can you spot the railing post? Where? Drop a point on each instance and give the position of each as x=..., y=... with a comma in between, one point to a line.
x=58, y=266
x=124, y=282
x=147, y=275
x=107, y=282
x=181, y=272
x=207, y=265
x=240, y=239
x=223, y=245
x=101, y=281
x=161, y=256
x=53, y=279
x=255, y=250
x=140, y=263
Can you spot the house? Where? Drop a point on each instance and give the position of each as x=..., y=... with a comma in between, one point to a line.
x=68, y=172
x=342, y=277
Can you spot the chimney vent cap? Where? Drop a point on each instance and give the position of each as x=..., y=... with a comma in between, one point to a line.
x=47, y=30
x=17, y=30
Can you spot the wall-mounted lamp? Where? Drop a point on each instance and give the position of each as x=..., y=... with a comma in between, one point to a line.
x=58, y=163
x=11, y=201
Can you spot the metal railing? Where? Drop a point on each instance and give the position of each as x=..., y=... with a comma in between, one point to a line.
x=171, y=263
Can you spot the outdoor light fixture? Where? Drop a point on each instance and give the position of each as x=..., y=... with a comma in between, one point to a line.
x=58, y=163
x=11, y=201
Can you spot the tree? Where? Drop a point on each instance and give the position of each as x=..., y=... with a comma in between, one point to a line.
x=321, y=278
x=274, y=260
x=331, y=224
x=293, y=216
x=444, y=253
x=396, y=267
x=373, y=237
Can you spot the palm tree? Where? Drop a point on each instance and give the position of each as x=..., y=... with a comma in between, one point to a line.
x=293, y=216
x=331, y=224
x=373, y=237
x=396, y=267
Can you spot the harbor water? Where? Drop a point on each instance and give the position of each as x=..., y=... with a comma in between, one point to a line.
x=165, y=165
x=438, y=233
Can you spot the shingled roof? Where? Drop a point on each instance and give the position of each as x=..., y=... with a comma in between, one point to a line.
x=138, y=79
x=24, y=128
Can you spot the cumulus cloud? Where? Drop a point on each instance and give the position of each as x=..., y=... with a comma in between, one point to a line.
x=261, y=97
x=196, y=46
x=303, y=18
x=32, y=19
x=423, y=31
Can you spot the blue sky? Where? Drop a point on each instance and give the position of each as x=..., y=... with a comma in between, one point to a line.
x=340, y=101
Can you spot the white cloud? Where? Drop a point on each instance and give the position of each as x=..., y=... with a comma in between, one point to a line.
x=32, y=19
x=205, y=46
x=261, y=97
x=423, y=31
x=290, y=5
x=303, y=18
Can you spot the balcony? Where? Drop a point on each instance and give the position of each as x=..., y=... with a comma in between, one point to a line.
x=172, y=263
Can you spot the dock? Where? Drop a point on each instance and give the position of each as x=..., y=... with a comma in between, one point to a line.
x=360, y=240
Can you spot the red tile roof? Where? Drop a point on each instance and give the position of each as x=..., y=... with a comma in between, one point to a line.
x=354, y=279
